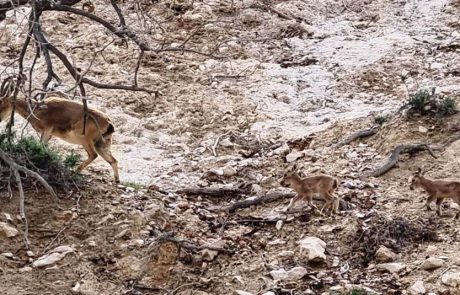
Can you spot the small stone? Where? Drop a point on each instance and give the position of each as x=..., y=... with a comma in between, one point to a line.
x=393, y=267
x=294, y=155
x=25, y=269
x=437, y=66
x=7, y=230
x=136, y=243
x=314, y=248
x=208, y=255
x=48, y=259
x=30, y=253
x=422, y=129
x=92, y=243
x=184, y=205
x=456, y=261
x=240, y=292
x=417, y=288
x=8, y=217
x=294, y=274
x=279, y=224
x=282, y=150
x=336, y=289
x=451, y=279
x=8, y=255
x=255, y=188
x=76, y=288
x=125, y=234
x=432, y=263
x=229, y=171
x=383, y=254
x=269, y=293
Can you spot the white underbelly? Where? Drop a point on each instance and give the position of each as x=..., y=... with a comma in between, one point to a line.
x=71, y=137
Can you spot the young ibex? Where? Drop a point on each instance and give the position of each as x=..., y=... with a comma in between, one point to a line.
x=323, y=185
x=64, y=119
x=437, y=189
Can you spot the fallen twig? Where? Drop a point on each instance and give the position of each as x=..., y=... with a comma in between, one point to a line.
x=394, y=157
x=358, y=134
x=213, y=192
x=271, y=197
x=169, y=237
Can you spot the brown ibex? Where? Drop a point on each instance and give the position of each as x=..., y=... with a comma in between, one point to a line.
x=437, y=189
x=322, y=184
x=63, y=118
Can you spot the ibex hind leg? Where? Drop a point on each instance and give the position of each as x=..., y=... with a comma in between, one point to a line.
x=103, y=148
x=92, y=155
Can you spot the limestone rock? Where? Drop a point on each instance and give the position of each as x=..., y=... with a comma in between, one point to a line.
x=292, y=275
x=432, y=263
x=208, y=255
x=383, y=254
x=7, y=230
x=54, y=256
x=314, y=248
x=294, y=155
x=393, y=267
x=451, y=279
x=417, y=288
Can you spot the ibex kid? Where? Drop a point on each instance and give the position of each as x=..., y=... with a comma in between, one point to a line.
x=437, y=189
x=322, y=184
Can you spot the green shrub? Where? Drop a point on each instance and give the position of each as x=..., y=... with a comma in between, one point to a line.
x=428, y=103
x=72, y=160
x=447, y=106
x=420, y=100
x=31, y=153
x=380, y=119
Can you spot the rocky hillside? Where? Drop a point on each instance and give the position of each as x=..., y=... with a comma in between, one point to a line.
x=273, y=84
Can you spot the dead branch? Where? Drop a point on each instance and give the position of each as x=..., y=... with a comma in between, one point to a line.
x=394, y=157
x=357, y=135
x=452, y=139
x=169, y=237
x=214, y=192
x=271, y=197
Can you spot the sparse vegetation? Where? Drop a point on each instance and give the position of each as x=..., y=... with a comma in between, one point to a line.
x=427, y=103
x=398, y=234
x=380, y=119
x=31, y=153
x=356, y=292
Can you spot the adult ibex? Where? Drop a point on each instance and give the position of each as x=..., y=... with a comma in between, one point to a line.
x=63, y=118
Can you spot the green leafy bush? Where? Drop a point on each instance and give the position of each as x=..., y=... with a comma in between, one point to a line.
x=428, y=103
x=31, y=153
